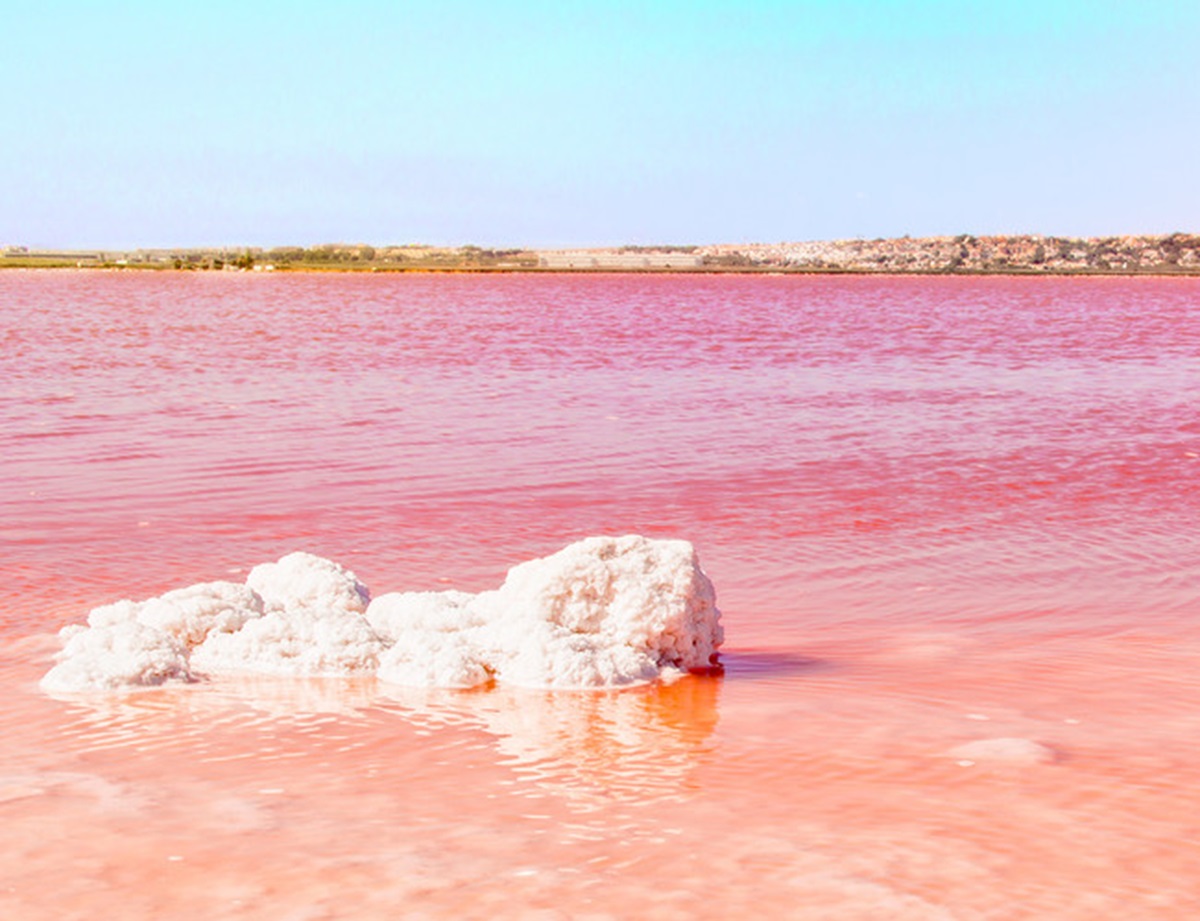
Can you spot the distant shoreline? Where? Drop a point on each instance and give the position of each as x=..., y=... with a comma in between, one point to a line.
x=597, y=272
x=1175, y=254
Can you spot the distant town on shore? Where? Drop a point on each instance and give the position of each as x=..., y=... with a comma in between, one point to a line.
x=1170, y=254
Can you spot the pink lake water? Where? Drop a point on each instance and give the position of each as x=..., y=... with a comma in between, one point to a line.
x=953, y=524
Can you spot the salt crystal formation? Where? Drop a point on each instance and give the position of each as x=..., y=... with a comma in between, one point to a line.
x=312, y=624
x=603, y=612
x=111, y=656
x=302, y=581
x=149, y=642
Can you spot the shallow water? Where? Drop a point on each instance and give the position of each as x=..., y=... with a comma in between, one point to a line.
x=936, y=510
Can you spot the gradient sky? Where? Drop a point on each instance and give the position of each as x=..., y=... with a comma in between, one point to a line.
x=567, y=123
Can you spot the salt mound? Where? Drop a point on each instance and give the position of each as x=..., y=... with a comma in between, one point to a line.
x=302, y=580
x=126, y=654
x=194, y=613
x=189, y=614
x=137, y=643
x=603, y=612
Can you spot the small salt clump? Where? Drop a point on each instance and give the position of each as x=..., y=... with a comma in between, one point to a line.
x=313, y=624
x=192, y=614
x=601, y=612
x=303, y=580
x=188, y=614
x=117, y=655
x=119, y=612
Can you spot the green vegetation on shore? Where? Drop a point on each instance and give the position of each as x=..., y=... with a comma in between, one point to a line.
x=325, y=257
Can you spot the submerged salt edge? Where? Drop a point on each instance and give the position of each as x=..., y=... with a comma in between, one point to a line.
x=602, y=612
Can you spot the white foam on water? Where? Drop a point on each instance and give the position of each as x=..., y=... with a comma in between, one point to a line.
x=602, y=612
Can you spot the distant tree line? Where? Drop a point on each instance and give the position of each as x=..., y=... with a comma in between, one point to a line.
x=660, y=248
x=359, y=253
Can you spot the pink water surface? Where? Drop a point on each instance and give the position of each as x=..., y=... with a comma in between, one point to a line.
x=936, y=510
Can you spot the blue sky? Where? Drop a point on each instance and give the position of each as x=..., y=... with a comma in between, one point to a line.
x=139, y=124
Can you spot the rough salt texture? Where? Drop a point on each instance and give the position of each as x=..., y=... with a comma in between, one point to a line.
x=192, y=614
x=299, y=642
x=440, y=661
x=603, y=612
x=434, y=639
x=118, y=655
x=302, y=580
x=188, y=614
x=139, y=643
x=399, y=613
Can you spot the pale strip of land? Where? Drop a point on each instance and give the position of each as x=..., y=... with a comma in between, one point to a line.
x=1170, y=254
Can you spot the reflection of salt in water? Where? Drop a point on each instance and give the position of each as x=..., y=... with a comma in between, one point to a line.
x=584, y=748
x=193, y=717
x=635, y=745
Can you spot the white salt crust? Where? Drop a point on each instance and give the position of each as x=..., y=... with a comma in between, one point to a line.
x=118, y=655
x=306, y=641
x=603, y=612
x=302, y=580
x=434, y=639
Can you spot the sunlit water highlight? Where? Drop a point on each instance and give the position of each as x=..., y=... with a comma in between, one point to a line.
x=937, y=512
